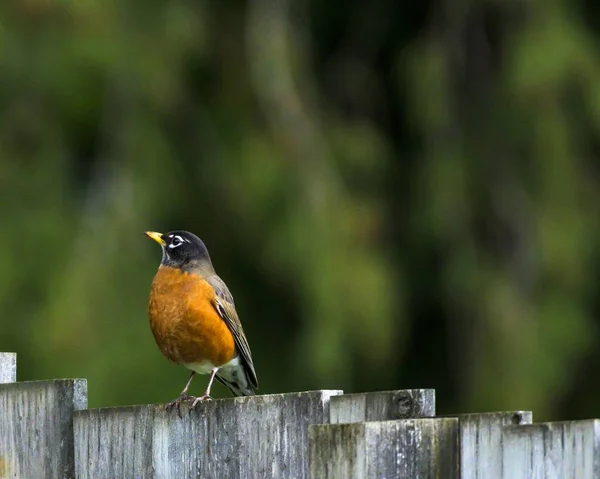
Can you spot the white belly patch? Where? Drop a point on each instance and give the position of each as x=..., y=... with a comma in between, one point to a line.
x=206, y=367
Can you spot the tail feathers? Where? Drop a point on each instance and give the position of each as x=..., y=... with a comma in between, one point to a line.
x=235, y=386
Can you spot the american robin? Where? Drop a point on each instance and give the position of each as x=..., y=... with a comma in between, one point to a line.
x=193, y=318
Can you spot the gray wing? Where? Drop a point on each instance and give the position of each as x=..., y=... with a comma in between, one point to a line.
x=226, y=308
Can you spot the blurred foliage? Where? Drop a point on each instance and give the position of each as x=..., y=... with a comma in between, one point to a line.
x=398, y=194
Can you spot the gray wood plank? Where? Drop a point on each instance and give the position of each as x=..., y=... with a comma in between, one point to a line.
x=555, y=450
x=8, y=368
x=408, y=448
x=36, y=427
x=481, y=446
x=382, y=406
x=252, y=437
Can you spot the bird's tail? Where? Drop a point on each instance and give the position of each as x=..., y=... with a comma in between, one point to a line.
x=236, y=387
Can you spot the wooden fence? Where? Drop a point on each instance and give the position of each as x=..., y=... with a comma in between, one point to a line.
x=46, y=431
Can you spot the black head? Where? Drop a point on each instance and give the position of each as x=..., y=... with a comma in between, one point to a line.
x=180, y=248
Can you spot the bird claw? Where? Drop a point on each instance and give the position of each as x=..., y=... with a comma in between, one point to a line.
x=198, y=400
x=177, y=403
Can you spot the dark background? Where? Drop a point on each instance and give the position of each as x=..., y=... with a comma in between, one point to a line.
x=398, y=194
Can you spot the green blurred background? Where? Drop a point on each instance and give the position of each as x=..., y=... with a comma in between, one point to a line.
x=398, y=194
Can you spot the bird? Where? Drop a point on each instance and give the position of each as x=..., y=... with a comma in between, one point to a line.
x=194, y=321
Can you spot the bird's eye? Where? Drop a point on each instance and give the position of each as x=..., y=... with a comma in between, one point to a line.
x=176, y=241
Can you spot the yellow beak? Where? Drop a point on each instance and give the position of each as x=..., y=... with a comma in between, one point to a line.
x=156, y=237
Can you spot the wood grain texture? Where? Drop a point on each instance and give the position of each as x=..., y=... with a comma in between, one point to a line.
x=408, y=448
x=557, y=450
x=249, y=437
x=8, y=368
x=481, y=441
x=382, y=406
x=36, y=427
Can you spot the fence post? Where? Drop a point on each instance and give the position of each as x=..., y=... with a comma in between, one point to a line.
x=415, y=448
x=36, y=427
x=8, y=368
x=258, y=436
x=382, y=406
x=554, y=450
x=481, y=440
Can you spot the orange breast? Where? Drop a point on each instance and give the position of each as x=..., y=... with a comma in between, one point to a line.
x=184, y=321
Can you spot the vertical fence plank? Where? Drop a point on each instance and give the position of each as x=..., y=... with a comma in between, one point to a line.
x=411, y=448
x=251, y=437
x=8, y=368
x=480, y=438
x=36, y=427
x=45, y=431
x=554, y=450
x=382, y=406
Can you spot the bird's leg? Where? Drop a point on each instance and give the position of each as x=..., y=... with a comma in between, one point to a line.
x=206, y=396
x=182, y=397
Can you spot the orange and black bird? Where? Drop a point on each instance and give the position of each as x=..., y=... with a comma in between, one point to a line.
x=193, y=318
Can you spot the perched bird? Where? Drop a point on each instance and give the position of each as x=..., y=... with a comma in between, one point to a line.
x=193, y=318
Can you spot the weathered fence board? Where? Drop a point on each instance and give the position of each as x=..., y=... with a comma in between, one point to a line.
x=557, y=450
x=8, y=368
x=36, y=427
x=45, y=431
x=480, y=439
x=408, y=448
x=254, y=437
x=382, y=406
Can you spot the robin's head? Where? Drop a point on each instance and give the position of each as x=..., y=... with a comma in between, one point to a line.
x=180, y=248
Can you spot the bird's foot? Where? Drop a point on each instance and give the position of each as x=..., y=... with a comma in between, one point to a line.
x=177, y=403
x=198, y=400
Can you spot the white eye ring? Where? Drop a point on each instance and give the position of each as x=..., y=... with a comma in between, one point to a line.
x=177, y=241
